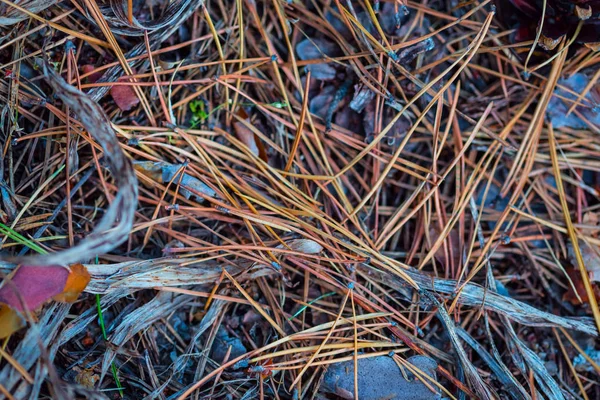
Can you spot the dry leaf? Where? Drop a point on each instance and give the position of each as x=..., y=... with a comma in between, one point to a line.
x=570, y=295
x=322, y=72
x=92, y=78
x=163, y=172
x=315, y=49
x=87, y=378
x=10, y=321
x=247, y=137
x=557, y=108
x=306, y=246
x=77, y=281
x=124, y=96
x=590, y=219
x=440, y=254
x=591, y=259
x=320, y=103
x=33, y=286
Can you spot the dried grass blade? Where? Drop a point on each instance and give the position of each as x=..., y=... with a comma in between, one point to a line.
x=571, y=229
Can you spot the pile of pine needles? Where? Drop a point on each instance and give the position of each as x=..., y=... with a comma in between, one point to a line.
x=322, y=181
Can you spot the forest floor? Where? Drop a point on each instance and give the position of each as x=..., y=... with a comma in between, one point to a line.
x=298, y=200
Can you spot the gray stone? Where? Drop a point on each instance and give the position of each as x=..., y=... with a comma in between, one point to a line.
x=380, y=378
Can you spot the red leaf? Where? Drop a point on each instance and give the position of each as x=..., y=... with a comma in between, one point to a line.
x=34, y=285
x=248, y=137
x=570, y=294
x=124, y=96
x=92, y=78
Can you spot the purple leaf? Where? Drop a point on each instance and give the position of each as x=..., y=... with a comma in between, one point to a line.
x=34, y=285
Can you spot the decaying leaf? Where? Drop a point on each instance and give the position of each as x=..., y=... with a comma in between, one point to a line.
x=10, y=321
x=31, y=286
x=163, y=172
x=87, y=378
x=591, y=259
x=306, y=246
x=578, y=286
x=313, y=49
x=124, y=96
x=93, y=77
x=77, y=281
x=557, y=110
x=451, y=245
x=320, y=103
x=322, y=72
x=247, y=137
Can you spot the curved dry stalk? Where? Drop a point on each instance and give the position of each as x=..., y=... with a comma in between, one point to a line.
x=11, y=15
x=115, y=226
x=476, y=296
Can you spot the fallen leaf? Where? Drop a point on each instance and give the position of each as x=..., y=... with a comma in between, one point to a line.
x=151, y=169
x=306, y=246
x=591, y=259
x=452, y=240
x=93, y=77
x=320, y=103
x=247, y=137
x=32, y=286
x=315, y=49
x=570, y=294
x=10, y=321
x=77, y=281
x=224, y=341
x=163, y=172
x=322, y=72
x=591, y=220
x=87, y=378
x=124, y=96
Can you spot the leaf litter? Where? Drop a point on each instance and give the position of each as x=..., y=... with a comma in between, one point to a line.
x=234, y=220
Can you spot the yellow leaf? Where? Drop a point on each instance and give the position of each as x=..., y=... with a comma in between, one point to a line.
x=10, y=321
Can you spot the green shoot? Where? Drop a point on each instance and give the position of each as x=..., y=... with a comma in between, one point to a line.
x=303, y=308
x=20, y=239
x=103, y=329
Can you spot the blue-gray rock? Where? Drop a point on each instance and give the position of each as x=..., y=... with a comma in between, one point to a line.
x=380, y=378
